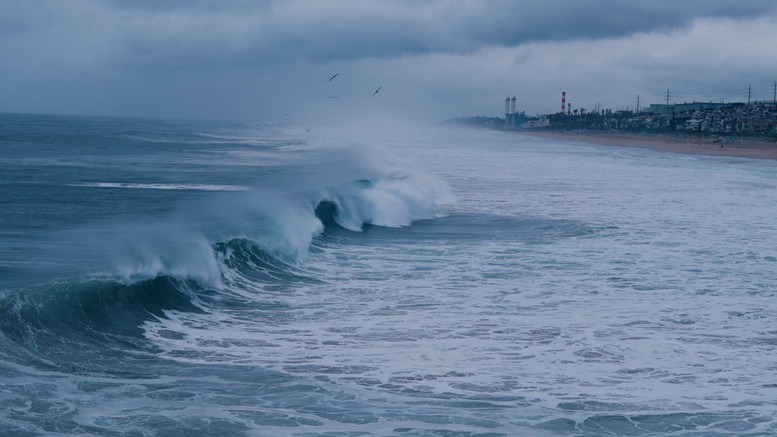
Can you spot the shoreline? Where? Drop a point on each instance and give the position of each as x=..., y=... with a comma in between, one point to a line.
x=740, y=148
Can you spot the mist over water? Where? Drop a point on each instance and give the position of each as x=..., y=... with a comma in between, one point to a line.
x=171, y=278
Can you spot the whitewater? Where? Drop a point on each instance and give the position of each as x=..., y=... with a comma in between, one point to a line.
x=172, y=277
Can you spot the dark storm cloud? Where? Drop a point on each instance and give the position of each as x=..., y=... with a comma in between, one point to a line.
x=181, y=34
x=282, y=31
x=515, y=23
x=262, y=32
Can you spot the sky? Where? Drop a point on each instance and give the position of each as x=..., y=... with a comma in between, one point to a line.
x=271, y=61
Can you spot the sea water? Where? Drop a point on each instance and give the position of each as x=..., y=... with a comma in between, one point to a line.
x=176, y=278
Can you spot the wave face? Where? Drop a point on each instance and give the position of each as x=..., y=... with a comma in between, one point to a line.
x=180, y=278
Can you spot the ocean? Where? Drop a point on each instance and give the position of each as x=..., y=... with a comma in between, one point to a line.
x=180, y=278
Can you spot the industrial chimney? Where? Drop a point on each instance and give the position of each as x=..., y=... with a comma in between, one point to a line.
x=563, y=101
x=512, y=105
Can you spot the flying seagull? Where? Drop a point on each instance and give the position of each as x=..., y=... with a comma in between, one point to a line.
x=376, y=91
x=336, y=74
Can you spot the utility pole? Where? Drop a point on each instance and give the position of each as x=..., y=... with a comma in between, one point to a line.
x=749, y=93
x=667, y=97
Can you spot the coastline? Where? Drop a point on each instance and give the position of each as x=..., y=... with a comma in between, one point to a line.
x=741, y=147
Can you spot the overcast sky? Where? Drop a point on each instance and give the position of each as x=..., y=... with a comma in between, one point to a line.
x=272, y=60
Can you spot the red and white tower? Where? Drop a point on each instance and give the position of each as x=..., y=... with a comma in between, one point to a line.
x=563, y=101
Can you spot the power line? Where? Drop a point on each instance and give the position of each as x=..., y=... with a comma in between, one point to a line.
x=722, y=95
x=749, y=95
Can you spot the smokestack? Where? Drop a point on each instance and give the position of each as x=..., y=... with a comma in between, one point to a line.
x=512, y=105
x=507, y=105
x=569, y=109
x=563, y=101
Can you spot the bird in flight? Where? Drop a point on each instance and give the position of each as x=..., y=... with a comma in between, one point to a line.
x=335, y=75
x=376, y=91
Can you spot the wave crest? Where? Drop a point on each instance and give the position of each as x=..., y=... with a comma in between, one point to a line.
x=280, y=224
x=389, y=203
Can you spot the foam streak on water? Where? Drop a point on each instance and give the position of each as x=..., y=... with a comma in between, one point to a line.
x=615, y=298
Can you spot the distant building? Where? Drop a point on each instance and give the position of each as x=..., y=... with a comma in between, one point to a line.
x=536, y=123
x=756, y=118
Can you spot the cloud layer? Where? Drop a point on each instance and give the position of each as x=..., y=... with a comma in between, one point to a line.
x=166, y=58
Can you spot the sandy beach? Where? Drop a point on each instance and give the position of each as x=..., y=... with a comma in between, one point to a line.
x=742, y=147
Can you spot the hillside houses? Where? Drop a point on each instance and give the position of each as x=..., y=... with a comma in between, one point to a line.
x=714, y=118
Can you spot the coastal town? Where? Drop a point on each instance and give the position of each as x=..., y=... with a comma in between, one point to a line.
x=756, y=118
x=719, y=120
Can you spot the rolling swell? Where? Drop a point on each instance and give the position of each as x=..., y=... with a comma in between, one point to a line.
x=64, y=325
x=196, y=259
x=75, y=326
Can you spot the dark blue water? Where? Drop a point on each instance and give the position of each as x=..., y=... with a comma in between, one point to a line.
x=170, y=278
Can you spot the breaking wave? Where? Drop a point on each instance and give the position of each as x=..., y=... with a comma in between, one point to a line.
x=112, y=277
